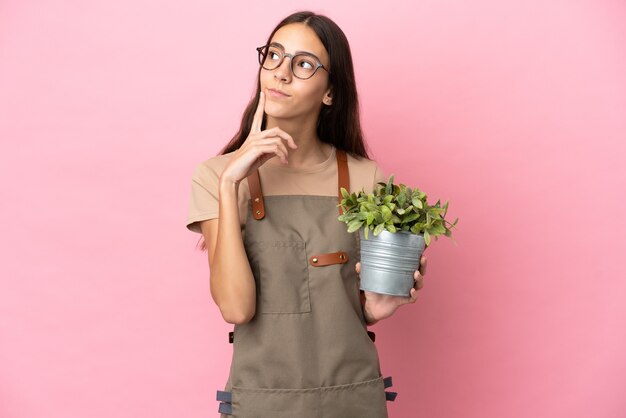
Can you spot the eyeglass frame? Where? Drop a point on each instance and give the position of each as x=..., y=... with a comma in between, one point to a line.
x=291, y=56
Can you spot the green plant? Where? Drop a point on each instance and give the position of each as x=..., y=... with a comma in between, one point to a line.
x=394, y=207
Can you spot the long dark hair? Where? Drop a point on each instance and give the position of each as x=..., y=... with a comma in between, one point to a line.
x=339, y=124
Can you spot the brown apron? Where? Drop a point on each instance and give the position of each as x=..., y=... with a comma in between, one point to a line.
x=307, y=352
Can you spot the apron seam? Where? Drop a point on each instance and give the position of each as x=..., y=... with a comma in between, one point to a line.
x=331, y=388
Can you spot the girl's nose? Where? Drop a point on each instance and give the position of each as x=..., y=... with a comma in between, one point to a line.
x=283, y=71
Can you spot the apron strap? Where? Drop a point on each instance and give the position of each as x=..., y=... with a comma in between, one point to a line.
x=256, y=194
x=225, y=408
x=389, y=396
x=226, y=399
x=339, y=257
x=343, y=178
x=224, y=396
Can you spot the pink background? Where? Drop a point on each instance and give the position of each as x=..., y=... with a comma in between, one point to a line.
x=513, y=111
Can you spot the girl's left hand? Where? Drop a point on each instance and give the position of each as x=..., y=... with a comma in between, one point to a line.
x=377, y=306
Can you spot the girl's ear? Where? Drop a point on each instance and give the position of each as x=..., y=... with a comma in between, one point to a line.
x=328, y=99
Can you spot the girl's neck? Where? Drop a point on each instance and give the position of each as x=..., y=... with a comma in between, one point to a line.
x=311, y=150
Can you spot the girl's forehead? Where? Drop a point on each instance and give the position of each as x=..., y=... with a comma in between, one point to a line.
x=296, y=38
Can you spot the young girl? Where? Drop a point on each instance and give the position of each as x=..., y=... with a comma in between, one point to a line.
x=284, y=270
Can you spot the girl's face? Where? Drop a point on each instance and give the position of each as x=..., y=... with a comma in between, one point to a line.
x=304, y=97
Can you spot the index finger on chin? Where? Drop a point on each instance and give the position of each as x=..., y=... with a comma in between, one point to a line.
x=257, y=121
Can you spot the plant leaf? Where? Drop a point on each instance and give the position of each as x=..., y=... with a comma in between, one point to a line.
x=411, y=217
x=361, y=216
x=389, y=188
x=386, y=212
x=401, y=199
x=354, y=225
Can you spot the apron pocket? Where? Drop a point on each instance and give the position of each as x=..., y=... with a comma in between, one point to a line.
x=282, y=276
x=275, y=403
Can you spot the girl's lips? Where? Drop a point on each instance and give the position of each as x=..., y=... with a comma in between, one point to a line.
x=275, y=93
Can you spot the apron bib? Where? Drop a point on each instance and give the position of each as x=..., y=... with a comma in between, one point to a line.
x=307, y=352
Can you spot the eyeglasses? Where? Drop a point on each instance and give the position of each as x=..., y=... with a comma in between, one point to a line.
x=303, y=65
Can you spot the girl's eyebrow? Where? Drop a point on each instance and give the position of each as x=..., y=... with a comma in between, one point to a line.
x=297, y=52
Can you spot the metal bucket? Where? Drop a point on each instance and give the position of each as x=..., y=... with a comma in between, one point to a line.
x=389, y=260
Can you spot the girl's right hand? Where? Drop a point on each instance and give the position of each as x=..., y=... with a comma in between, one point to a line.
x=258, y=147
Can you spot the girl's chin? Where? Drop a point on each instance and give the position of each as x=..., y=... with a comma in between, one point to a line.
x=278, y=113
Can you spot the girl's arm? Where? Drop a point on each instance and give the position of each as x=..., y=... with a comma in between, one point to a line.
x=233, y=286
x=232, y=282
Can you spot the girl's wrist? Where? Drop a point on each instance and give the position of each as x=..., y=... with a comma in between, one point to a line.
x=228, y=188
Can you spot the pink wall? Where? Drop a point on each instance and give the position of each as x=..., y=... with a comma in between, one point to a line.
x=513, y=111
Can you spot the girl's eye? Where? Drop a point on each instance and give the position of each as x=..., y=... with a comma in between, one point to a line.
x=307, y=65
x=273, y=54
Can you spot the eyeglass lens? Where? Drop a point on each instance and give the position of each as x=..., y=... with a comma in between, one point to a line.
x=303, y=66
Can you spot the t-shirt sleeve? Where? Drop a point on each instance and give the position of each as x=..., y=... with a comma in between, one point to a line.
x=204, y=197
x=379, y=175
